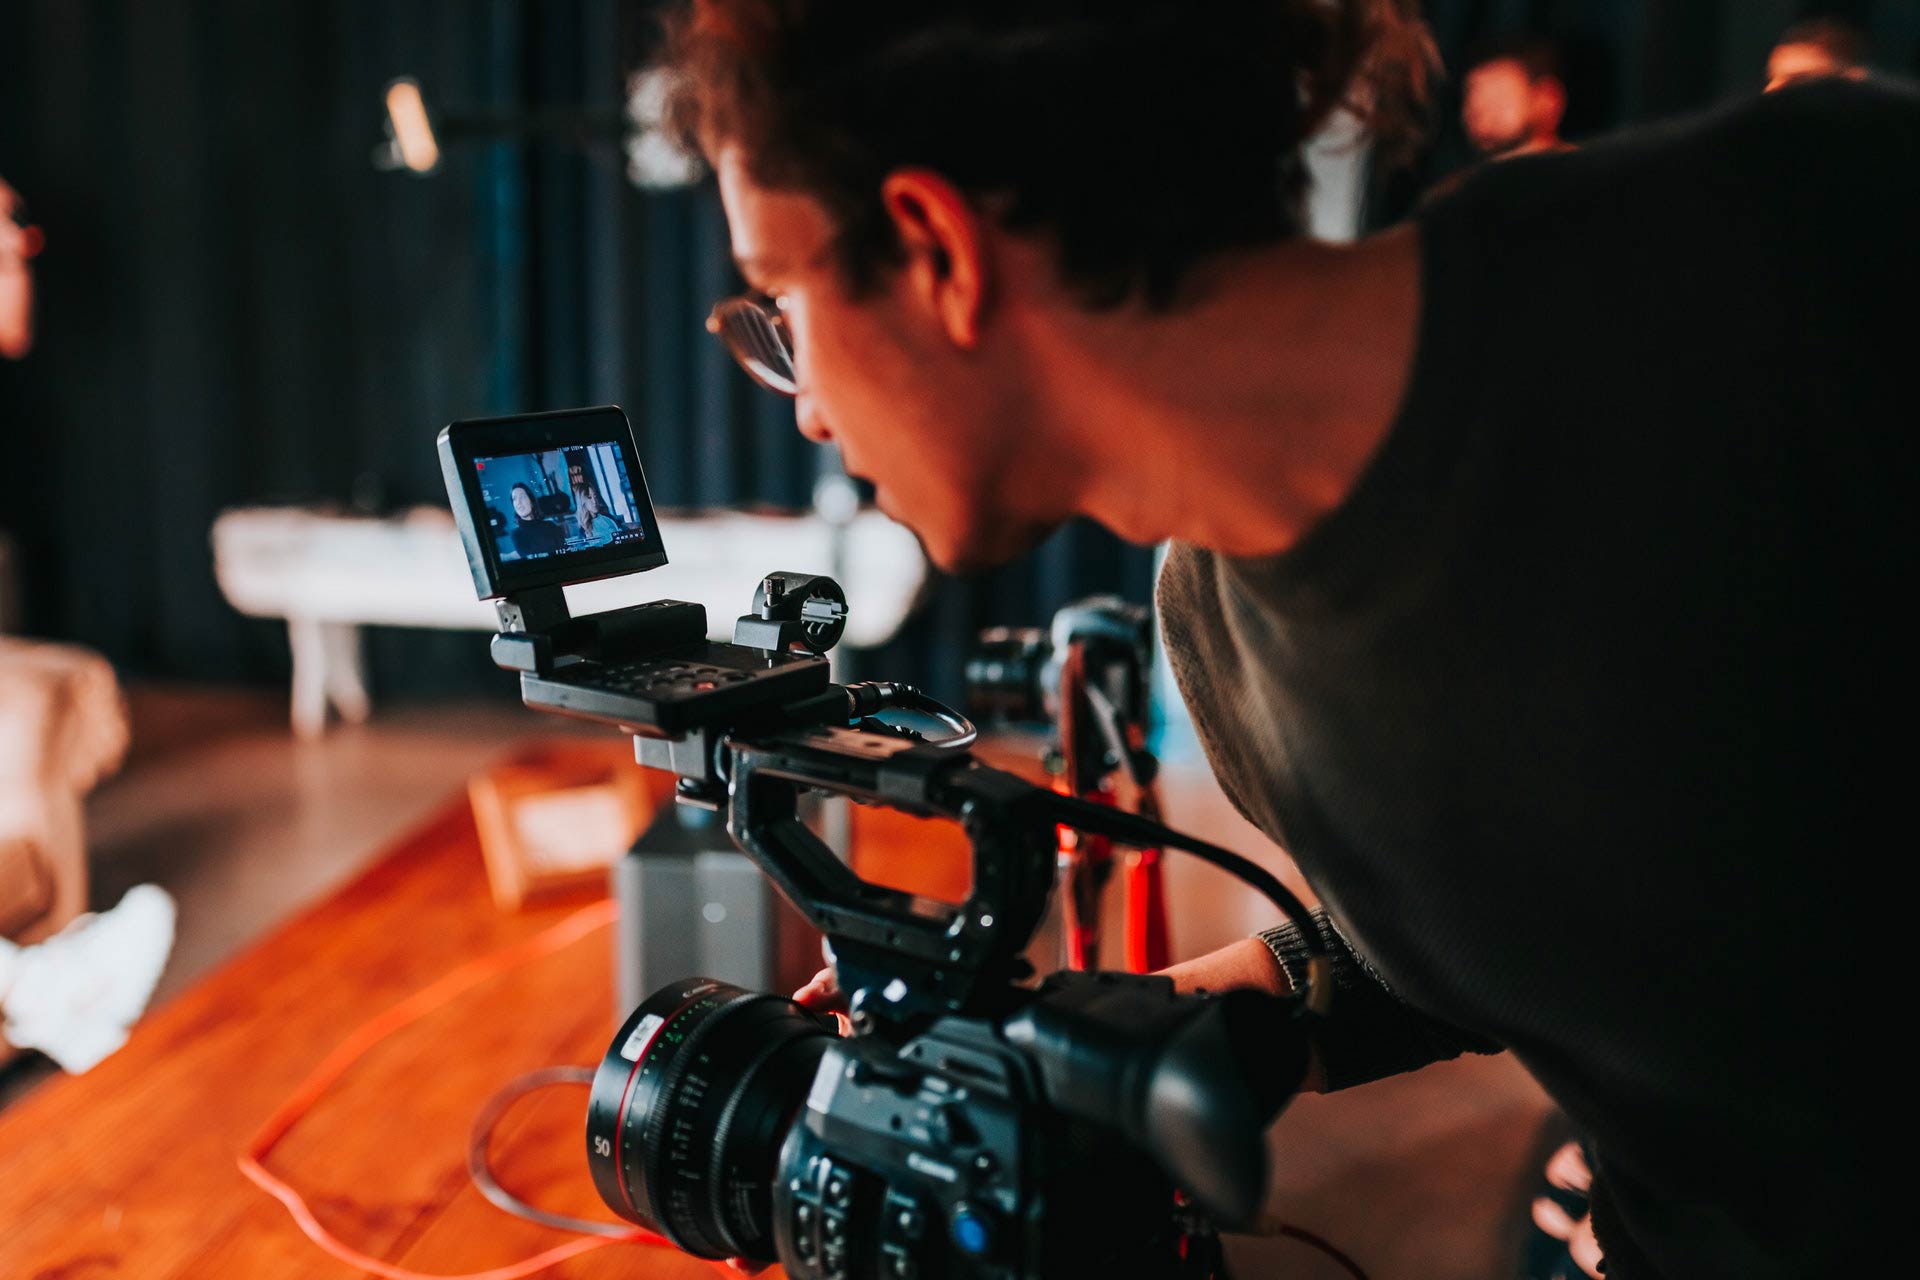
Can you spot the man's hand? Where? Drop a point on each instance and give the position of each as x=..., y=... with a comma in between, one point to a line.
x=1568, y=1171
x=821, y=994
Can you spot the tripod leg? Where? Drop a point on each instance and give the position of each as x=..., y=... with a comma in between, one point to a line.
x=1147, y=945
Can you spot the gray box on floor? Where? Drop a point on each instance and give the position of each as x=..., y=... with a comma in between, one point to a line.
x=692, y=905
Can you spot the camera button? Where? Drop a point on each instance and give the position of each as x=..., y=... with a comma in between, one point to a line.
x=805, y=1217
x=972, y=1231
x=952, y=1128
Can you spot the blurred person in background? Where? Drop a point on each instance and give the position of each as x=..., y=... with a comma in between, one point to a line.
x=533, y=534
x=16, y=278
x=1531, y=560
x=1515, y=98
x=1512, y=103
x=596, y=526
x=73, y=996
x=1815, y=49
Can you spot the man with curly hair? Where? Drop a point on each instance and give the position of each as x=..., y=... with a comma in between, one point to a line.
x=1531, y=561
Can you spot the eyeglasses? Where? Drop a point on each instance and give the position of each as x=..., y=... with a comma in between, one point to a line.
x=756, y=333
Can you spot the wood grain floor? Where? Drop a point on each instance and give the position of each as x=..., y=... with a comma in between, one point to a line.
x=129, y=1170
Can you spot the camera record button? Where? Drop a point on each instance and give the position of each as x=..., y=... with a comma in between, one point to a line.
x=972, y=1231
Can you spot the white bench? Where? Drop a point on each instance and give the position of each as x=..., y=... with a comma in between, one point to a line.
x=329, y=575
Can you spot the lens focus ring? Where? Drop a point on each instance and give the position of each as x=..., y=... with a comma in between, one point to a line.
x=689, y=1107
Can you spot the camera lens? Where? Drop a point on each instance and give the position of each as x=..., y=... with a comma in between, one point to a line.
x=689, y=1108
x=1004, y=674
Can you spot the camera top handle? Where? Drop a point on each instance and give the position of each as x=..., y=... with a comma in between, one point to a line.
x=898, y=956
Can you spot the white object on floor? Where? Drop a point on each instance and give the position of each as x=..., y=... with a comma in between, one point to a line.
x=329, y=575
x=75, y=996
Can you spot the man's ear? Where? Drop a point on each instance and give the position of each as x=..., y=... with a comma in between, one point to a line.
x=946, y=248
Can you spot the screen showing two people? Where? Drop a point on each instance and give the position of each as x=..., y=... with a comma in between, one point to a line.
x=563, y=500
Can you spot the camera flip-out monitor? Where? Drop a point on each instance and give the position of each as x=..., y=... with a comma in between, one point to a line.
x=551, y=498
x=545, y=500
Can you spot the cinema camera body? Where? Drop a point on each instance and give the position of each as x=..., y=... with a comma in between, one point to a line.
x=975, y=1122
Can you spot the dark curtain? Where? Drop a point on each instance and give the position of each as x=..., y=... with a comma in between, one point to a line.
x=234, y=306
x=237, y=307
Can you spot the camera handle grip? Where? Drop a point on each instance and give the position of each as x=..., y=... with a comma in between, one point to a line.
x=898, y=956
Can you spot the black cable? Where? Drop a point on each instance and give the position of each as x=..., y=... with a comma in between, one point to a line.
x=965, y=734
x=849, y=704
x=1143, y=833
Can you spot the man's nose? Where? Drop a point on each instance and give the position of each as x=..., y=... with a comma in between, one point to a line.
x=807, y=417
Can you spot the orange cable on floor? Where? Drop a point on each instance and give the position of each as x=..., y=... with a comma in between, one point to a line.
x=252, y=1160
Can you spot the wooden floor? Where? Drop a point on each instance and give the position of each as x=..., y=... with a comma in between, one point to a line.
x=129, y=1171
x=244, y=823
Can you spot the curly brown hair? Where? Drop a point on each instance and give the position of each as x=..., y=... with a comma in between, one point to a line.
x=1141, y=136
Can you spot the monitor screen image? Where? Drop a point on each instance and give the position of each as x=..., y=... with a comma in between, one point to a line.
x=543, y=505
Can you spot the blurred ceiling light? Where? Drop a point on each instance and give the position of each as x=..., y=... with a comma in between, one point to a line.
x=412, y=144
x=654, y=160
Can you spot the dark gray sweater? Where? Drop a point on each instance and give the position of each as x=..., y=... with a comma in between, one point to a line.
x=1579, y=713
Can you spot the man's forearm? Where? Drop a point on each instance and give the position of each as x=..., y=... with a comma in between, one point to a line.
x=1246, y=963
x=1370, y=1031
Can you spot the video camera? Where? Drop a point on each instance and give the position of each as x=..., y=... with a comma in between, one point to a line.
x=975, y=1123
